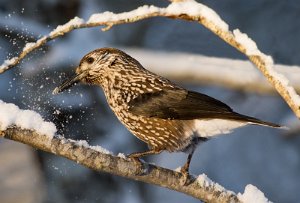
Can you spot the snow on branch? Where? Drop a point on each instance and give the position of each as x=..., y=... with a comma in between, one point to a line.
x=252, y=194
x=28, y=127
x=11, y=115
x=187, y=10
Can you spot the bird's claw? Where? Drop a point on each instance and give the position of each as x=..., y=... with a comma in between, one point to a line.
x=185, y=180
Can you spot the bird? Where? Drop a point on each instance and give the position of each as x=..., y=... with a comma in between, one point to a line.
x=164, y=115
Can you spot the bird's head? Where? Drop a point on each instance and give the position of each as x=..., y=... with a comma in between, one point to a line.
x=97, y=65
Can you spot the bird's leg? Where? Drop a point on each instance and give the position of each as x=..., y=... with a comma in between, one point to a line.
x=185, y=169
x=136, y=155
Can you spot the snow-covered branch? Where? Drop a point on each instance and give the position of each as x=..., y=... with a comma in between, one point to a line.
x=187, y=10
x=99, y=159
x=28, y=127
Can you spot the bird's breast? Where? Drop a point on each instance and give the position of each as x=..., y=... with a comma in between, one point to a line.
x=171, y=135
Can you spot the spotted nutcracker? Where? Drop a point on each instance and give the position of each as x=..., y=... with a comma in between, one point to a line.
x=155, y=110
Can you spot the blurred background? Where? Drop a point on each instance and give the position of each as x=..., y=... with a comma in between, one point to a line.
x=266, y=158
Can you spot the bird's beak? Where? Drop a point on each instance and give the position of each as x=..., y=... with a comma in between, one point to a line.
x=69, y=83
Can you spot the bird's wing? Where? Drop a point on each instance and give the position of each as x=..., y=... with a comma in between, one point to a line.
x=178, y=104
x=186, y=105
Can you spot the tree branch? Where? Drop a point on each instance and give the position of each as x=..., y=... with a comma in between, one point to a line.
x=187, y=10
x=98, y=159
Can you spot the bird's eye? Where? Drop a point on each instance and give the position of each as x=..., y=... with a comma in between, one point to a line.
x=90, y=60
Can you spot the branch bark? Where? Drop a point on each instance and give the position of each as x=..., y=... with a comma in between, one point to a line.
x=201, y=188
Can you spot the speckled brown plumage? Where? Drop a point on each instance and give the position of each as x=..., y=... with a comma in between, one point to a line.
x=157, y=111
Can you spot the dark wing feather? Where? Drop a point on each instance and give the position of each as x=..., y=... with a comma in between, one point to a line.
x=178, y=104
x=186, y=105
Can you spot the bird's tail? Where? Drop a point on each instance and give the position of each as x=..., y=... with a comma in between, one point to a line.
x=254, y=121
